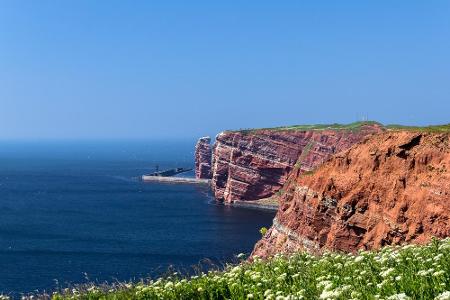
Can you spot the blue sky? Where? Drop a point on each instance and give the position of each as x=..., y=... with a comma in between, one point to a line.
x=155, y=69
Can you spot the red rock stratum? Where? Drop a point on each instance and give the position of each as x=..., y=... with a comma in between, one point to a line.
x=392, y=188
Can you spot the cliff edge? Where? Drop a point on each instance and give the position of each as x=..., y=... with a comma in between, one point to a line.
x=392, y=188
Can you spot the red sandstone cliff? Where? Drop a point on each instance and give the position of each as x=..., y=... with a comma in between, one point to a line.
x=250, y=165
x=389, y=189
x=203, y=155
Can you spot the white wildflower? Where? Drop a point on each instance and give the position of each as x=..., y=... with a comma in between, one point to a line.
x=425, y=272
x=326, y=285
x=345, y=288
x=408, y=246
x=422, y=273
x=438, y=273
x=359, y=259
x=355, y=294
x=333, y=294
x=444, y=296
x=282, y=277
x=401, y=296
x=444, y=246
x=387, y=272
x=438, y=257
x=169, y=285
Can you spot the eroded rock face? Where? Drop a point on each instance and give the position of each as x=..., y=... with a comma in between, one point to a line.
x=392, y=188
x=203, y=155
x=251, y=165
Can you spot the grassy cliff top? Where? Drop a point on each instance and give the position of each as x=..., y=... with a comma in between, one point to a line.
x=350, y=126
x=431, y=128
x=334, y=126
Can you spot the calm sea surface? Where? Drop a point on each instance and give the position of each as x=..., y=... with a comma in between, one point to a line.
x=71, y=210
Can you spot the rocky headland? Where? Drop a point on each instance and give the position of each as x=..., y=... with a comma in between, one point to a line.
x=391, y=188
x=249, y=165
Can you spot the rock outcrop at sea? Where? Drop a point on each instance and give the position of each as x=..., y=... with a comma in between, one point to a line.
x=392, y=188
x=255, y=164
x=203, y=155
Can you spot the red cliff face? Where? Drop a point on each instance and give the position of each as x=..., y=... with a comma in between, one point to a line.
x=390, y=189
x=251, y=165
x=203, y=154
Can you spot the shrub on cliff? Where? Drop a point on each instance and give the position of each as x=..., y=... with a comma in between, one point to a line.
x=408, y=272
x=263, y=231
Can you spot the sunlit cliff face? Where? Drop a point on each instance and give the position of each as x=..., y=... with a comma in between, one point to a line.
x=392, y=188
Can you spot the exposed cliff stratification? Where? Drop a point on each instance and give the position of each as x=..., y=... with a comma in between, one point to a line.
x=254, y=164
x=392, y=188
x=203, y=155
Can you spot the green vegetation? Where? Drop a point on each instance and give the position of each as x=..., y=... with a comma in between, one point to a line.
x=351, y=127
x=335, y=126
x=263, y=231
x=304, y=153
x=432, y=128
x=408, y=272
x=308, y=173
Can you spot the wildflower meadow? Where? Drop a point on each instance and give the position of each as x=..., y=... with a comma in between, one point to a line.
x=393, y=273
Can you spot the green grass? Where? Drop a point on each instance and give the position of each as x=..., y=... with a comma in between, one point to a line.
x=304, y=153
x=352, y=127
x=334, y=126
x=432, y=128
x=409, y=272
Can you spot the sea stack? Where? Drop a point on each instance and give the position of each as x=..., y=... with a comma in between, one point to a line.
x=203, y=155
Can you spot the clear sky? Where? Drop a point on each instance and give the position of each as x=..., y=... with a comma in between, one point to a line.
x=153, y=69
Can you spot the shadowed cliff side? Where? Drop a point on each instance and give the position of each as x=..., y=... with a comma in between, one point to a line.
x=391, y=188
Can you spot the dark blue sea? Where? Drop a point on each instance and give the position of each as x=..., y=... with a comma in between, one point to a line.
x=73, y=212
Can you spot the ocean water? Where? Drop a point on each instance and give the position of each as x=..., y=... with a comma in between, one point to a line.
x=73, y=212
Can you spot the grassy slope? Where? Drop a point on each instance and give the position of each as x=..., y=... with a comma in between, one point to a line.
x=409, y=272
